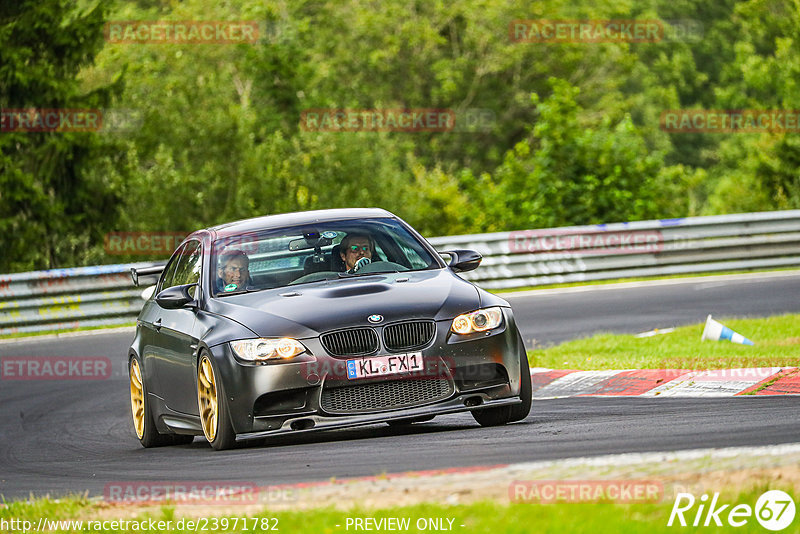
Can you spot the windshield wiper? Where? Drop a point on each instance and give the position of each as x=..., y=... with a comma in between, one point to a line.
x=240, y=291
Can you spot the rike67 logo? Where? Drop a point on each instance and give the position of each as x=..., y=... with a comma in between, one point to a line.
x=774, y=510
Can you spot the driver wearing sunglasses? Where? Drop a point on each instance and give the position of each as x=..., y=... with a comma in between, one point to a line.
x=353, y=249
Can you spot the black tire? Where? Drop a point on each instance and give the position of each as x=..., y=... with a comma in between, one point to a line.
x=219, y=432
x=493, y=416
x=150, y=436
x=515, y=412
x=521, y=411
x=406, y=422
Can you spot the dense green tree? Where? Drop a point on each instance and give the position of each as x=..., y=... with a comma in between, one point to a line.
x=760, y=171
x=575, y=172
x=217, y=133
x=53, y=207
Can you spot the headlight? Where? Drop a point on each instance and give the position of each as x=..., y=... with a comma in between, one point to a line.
x=256, y=350
x=477, y=321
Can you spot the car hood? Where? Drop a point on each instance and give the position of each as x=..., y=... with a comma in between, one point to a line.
x=306, y=310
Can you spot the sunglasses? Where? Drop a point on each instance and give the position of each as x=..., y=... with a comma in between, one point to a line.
x=356, y=248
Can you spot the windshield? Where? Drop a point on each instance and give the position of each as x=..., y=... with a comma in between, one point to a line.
x=312, y=253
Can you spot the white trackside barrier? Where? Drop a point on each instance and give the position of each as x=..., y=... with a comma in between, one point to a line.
x=716, y=331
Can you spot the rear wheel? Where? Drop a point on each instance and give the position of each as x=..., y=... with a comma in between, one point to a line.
x=214, y=416
x=143, y=423
x=516, y=412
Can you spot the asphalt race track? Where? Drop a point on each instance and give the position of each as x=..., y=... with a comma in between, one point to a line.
x=61, y=437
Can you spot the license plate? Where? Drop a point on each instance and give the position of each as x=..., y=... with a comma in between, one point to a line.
x=384, y=365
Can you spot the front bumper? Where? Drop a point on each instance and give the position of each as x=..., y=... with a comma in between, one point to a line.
x=473, y=372
x=462, y=403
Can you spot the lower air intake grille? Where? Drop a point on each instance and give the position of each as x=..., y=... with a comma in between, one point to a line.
x=351, y=342
x=409, y=335
x=385, y=395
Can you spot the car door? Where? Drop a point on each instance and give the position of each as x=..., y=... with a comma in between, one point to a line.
x=149, y=323
x=174, y=329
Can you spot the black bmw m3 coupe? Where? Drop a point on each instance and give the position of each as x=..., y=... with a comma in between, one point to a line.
x=318, y=320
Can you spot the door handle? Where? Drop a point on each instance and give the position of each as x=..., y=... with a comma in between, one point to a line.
x=157, y=324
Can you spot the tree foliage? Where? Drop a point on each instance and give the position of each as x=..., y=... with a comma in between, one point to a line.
x=53, y=206
x=574, y=135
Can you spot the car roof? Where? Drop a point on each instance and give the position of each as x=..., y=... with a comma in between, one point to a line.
x=298, y=218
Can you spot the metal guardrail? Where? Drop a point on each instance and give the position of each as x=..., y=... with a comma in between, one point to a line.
x=64, y=299
x=627, y=250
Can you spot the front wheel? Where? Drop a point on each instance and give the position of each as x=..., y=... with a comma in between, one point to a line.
x=214, y=416
x=516, y=412
x=521, y=411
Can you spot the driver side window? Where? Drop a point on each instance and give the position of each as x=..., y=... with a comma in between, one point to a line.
x=184, y=268
x=188, y=269
x=169, y=270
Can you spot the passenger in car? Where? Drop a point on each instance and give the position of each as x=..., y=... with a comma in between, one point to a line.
x=233, y=271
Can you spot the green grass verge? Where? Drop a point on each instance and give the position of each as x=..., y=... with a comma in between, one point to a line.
x=777, y=343
x=639, y=279
x=482, y=517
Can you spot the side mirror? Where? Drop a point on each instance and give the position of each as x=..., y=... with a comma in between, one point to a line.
x=176, y=297
x=462, y=260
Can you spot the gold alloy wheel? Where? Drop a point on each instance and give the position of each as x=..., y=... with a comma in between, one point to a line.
x=137, y=398
x=207, y=398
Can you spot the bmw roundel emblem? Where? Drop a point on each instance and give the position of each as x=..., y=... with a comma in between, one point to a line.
x=375, y=318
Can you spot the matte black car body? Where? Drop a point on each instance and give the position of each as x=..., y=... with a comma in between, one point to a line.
x=485, y=371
